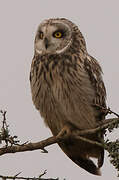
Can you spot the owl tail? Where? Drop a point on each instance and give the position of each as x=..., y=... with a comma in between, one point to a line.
x=79, y=152
x=88, y=165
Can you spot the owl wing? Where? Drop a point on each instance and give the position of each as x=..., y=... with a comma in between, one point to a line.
x=95, y=74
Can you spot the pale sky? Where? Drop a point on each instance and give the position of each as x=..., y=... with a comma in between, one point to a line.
x=19, y=19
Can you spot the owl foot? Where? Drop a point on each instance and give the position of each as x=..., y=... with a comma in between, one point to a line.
x=66, y=131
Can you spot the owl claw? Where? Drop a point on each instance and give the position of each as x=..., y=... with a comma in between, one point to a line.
x=66, y=131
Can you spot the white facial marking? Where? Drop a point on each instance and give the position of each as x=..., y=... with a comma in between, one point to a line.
x=63, y=49
x=56, y=46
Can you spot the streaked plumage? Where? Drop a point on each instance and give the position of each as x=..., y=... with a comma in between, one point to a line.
x=66, y=83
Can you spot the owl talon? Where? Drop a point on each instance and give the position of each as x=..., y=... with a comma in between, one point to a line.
x=65, y=132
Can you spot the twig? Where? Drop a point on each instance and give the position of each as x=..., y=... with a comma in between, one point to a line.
x=5, y=134
x=26, y=178
x=89, y=141
x=106, y=110
x=102, y=125
x=43, y=174
x=17, y=174
x=29, y=146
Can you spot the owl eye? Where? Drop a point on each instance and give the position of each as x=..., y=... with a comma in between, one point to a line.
x=41, y=35
x=58, y=34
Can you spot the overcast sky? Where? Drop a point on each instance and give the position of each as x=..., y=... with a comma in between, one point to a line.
x=19, y=19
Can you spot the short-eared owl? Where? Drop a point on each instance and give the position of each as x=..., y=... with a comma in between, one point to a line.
x=66, y=83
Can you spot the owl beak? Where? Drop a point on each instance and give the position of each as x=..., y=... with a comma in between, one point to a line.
x=46, y=42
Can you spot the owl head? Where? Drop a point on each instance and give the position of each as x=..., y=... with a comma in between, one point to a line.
x=55, y=36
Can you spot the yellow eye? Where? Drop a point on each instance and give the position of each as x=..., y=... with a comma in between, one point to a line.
x=41, y=35
x=58, y=34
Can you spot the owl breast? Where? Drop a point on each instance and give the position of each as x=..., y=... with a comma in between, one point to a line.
x=63, y=94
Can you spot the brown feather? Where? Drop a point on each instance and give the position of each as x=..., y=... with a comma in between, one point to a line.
x=64, y=89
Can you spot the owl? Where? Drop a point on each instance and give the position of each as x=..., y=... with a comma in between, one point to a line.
x=66, y=85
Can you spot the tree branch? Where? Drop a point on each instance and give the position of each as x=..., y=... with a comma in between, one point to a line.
x=29, y=146
x=104, y=124
x=25, y=178
x=59, y=138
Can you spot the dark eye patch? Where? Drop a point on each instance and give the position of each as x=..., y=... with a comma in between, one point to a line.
x=40, y=34
x=59, y=33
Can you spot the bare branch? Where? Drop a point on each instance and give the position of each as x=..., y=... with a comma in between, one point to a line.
x=25, y=178
x=17, y=174
x=29, y=146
